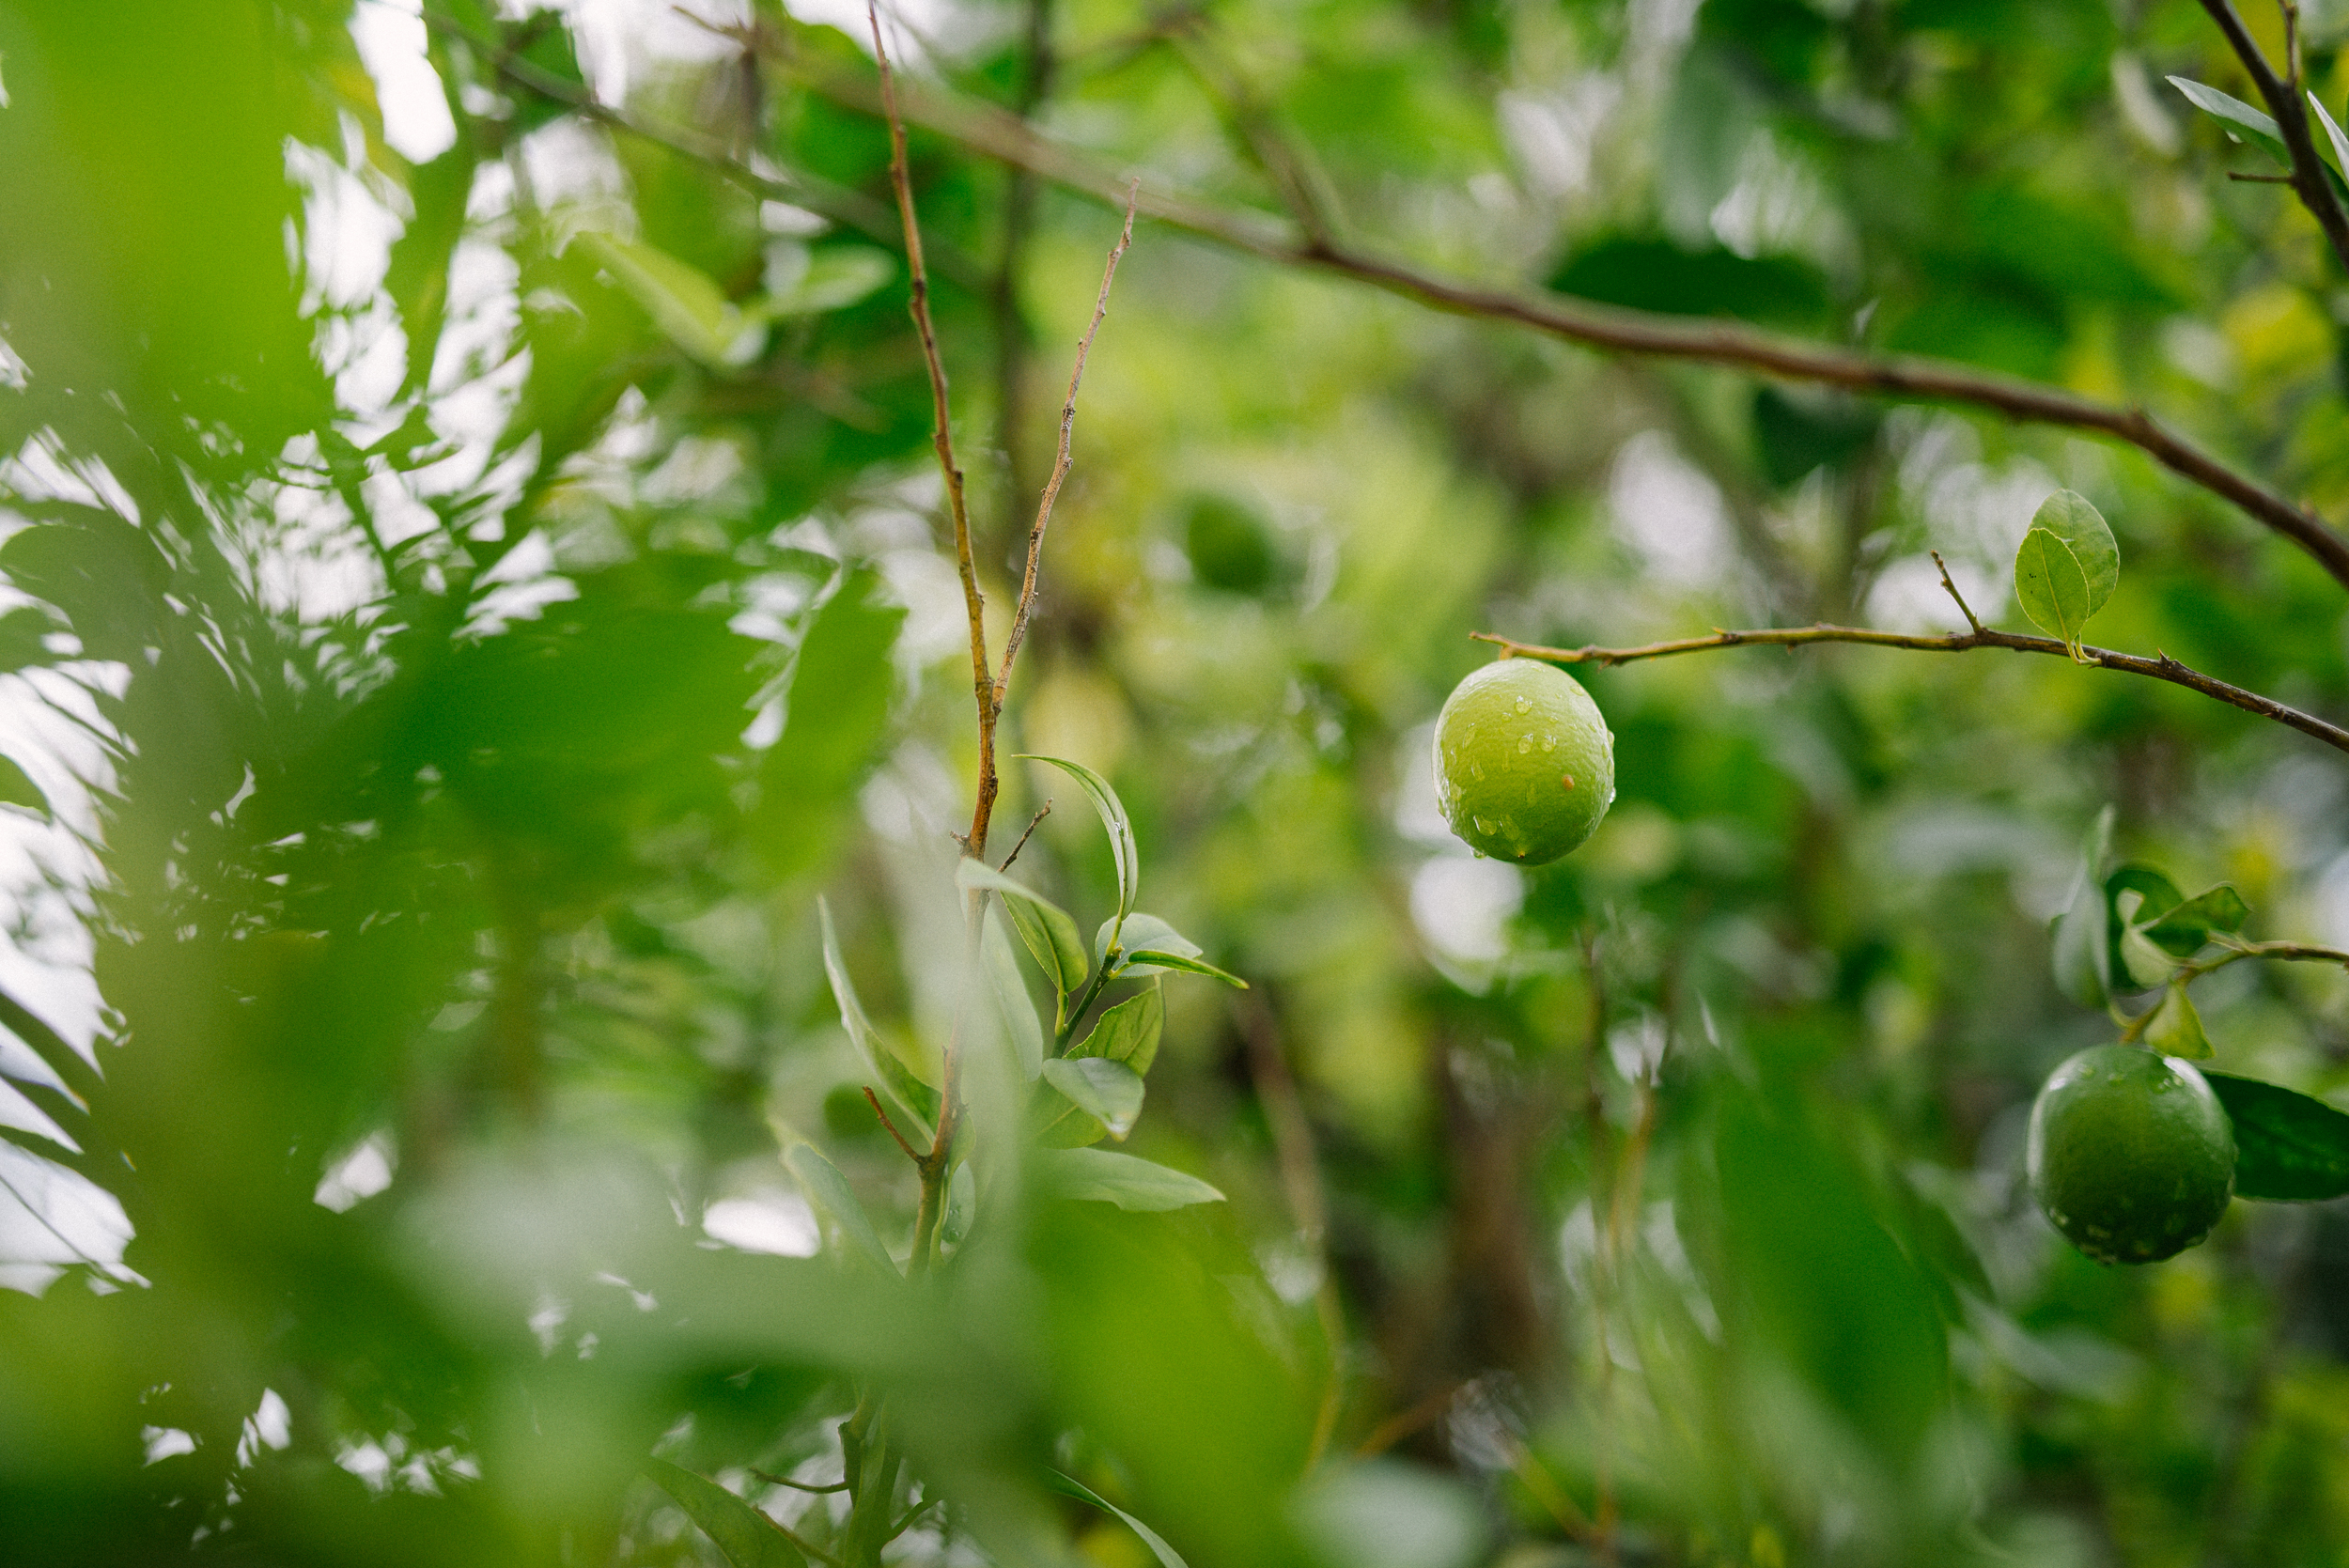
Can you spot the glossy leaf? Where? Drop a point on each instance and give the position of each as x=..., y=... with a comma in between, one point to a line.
x=1138, y=1185
x=2070, y=516
x=1046, y=930
x=1124, y=852
x=2255, y=126
x=2187, y=927
x=2287, y=1145
x=1128, y=1031
x=917, y=1098
x=1144, y=961
x=2051, y=587
x=2333, y=137
x=1108, y=1092
x=830, y=1193
x=1168, y=1557
x=748, y=1538
x=2176, y=1028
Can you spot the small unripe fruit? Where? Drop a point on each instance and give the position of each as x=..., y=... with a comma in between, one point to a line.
x=1525, y=766
x=2131, y=1156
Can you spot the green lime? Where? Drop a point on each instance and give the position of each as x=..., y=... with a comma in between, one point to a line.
x=2131, y=1156
x=1525, y=766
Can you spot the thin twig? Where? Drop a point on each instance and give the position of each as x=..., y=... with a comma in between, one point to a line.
x=1042, y=812
x=2292, y=46
x=1061, y=465
x=992, y=133
x=2259, y=178
x=874, y=1100
x=2291, y=123
x=2234, y=951
x=941, y=438
x=1966, y=610
x=2161, y=667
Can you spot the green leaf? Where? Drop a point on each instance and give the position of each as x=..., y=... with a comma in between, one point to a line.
x=2051, y=587
x=2287, y=1146
x=2082, y=938
x=1011, y=998
x=2246, y=124
x=1050, y=936
x=17, y=789
x=1144, y=961
x=918, y=1098
x=2136, y=897
x=1168, y=1557
x=2332, y=132
x=1138, y=1185
x=833, y=278
x=2187, y=927
x=683, y=301
x=2071, y=517
x=748, y=1538
x=842, y=681
x=1108, y=1092
x=1123, y=849
x=1128, y=1032
x=2176, y=1028
x=2146, y=964
x=829, y=1190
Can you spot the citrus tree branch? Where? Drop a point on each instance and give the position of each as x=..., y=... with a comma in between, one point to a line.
x=941, y=439
x=2292, y=122
x=992, y=133
x=2160, y=667
x=1062, y=463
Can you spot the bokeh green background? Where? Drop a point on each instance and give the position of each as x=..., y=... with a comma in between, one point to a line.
x=446, y=668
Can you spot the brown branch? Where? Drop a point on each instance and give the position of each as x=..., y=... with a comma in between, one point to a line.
x=2160, y=667
x=874, y=1100
x=1062, y=463
x=2292, y=122
x=992, y=133
x=1042, y=812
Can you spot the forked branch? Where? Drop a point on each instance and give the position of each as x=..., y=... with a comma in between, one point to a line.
x=2309, y=179
x=2160, y=667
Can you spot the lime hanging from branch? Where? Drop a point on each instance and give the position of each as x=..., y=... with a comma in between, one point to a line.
x=1525, y=766
x=2130, y=1154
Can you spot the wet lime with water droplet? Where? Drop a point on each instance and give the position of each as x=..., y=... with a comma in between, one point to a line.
x=1500, y=793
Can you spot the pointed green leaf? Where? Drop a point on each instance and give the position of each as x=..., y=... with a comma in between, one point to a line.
x=2287, y=1146
x=2246, y=124
x=1050, y=936
x=2071, y=517
x=683, y=301
x=1108, y=1092
x=2176, y=1029
x=1010, y=991
x=1168, y=1557
x=835, y=277
x=1141, y=930
x=2332, y=134
x=1128, y=1032
x=2189, y=926
x=748, y=1538
x=2147, y=965
x=1143, y=961
x=1139, y=1185
x=918, y=1099
x=1123, y=849
x=2051, y=588
x=830, y=1193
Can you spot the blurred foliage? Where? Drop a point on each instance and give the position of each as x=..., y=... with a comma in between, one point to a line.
x=474, y=578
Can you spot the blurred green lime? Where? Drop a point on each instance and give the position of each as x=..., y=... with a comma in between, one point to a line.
x=2131, y=1156
x=1525, y=765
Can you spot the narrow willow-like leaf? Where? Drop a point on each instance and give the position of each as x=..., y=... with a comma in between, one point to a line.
x=829, y=1190
x=1045, y=929
x=2176, y=1029
x=918, y=1099
x=1108, y=1092
x=748, y=1538
x=1143, y=961
x=1139, y=1185
x=2246, y=124
x=835, y=277
x=1168, y=1557
x=1011, y=998
x=2051, y=588
x=2070, y=516
x=2332, y=134
x=2287, y=1146
x=683, y=301
x=1124, y=852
